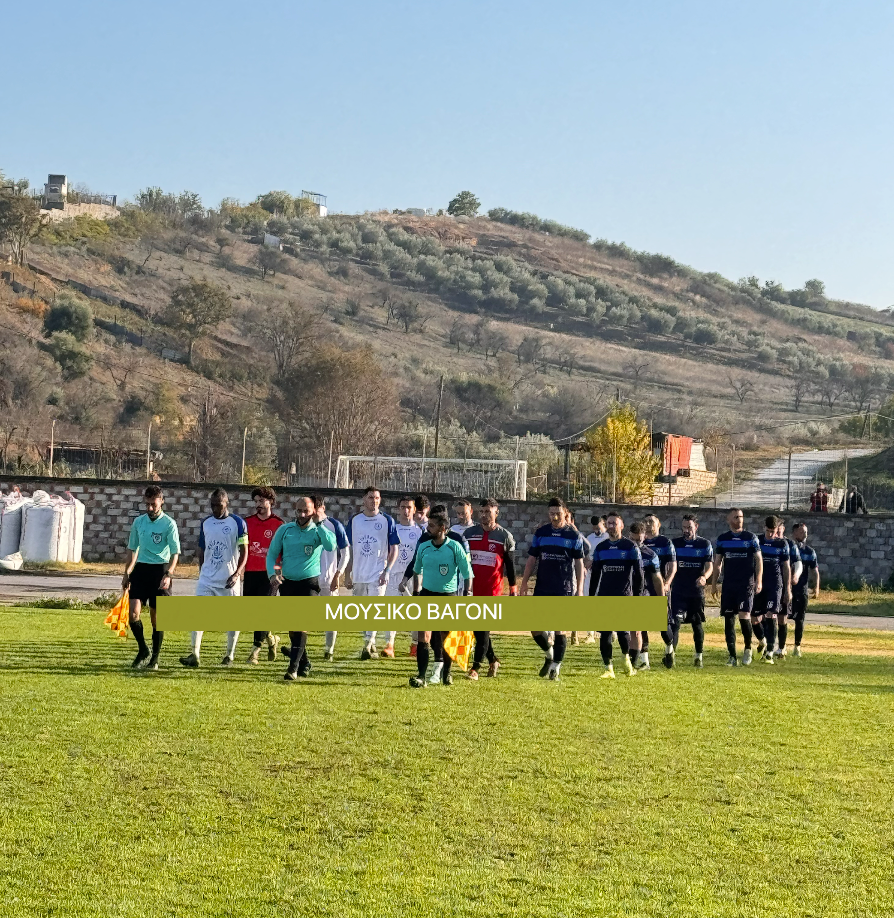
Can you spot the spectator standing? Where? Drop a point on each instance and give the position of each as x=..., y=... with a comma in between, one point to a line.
x=819, y=500
x=852, y=502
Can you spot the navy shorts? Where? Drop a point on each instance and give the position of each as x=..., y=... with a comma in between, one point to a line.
x=736, y=600
x=685, y=610
x=768, y=602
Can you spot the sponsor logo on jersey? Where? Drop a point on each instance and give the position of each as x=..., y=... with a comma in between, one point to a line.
x=368, y=545
x=216, y=550
x=268, y=533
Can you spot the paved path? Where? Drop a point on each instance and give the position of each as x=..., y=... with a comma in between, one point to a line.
x=767, y=487
x=17, y=587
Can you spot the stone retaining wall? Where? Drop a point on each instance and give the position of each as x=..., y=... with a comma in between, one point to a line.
x=850, y=548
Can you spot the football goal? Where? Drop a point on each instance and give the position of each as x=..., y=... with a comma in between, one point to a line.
x=499, y=478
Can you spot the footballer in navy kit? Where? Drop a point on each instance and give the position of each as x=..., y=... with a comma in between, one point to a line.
x=695, y=561
x=738, y=558
x=664, y=548
x=796, y=566
x=801, y=588
x=557, y=552
x=653, y=585
x=776, y=583
x=617, y=571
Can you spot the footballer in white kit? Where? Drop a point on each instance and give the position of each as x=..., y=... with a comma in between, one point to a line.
x=223, y=553
x=408, y=532
x=374, y=543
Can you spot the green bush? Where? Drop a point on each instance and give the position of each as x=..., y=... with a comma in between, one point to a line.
x=69, y=314
x=73, y=358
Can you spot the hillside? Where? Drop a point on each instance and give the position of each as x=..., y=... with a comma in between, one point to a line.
x=534, y=332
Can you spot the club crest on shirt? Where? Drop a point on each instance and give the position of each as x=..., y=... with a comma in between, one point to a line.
x=268, y=533
x=156, y=538
x=308, y=550
x=377, y=526
x=442, y=570
x=492, y=546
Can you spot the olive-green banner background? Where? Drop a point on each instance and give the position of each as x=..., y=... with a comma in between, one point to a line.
x=413, y=613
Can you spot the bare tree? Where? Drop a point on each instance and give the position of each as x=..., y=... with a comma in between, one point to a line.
x=459, y=334
x=799, y=389
x=494, y=342
x=409, y=314
x=742, y=386
x=285, y=328
x=634, y=368
x=530, y=349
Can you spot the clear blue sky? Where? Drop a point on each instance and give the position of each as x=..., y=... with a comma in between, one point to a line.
x=747, y=138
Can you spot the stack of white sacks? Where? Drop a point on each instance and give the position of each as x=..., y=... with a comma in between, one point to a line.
x=42, y=527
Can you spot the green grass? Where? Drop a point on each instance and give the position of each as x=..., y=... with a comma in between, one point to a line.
x=865, y=601
x=760, y=791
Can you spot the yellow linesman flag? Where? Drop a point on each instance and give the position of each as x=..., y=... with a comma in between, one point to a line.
x=459, y=645
x=118, y=615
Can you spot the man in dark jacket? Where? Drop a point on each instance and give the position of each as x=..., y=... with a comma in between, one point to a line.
x=852, y=502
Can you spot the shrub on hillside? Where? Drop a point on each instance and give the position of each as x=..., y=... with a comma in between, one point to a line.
x=73, y=358
x=69, y=314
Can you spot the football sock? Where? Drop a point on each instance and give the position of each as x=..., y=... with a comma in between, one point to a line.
x=729, y=627
x=747, y=631
x=758, y=629
x=423, y=654
x=232, y=638
x=799, y=632
x=137, y=630
x=624, y=642
x=196, y=641
x=783, y=635
x=770, y=632
x=560, y=642
x=157, y=638
x=698, y=635
x=645, y=637
x=605, y=646
x=260, y=637
x=542, y=641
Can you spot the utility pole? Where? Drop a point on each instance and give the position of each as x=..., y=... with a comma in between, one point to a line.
x=732, y=486
x=438, y=417
x=614, y=472
x=52, y=444
x=788, y=483
x=329, y=470
x=148, y=450
x=244, y=438
x=845, y=471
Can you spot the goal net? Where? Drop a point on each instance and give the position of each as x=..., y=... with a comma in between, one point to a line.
x=499, y=478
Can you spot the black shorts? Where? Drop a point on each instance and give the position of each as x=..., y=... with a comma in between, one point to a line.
x=736, y=600
x=768, y=602
x=256, y=583
x=310, y=586
x=685, y=610
x=145, y=580
x=799, y=605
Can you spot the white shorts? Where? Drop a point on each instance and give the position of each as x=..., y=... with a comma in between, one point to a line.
x=370, y=589
x=206, y=589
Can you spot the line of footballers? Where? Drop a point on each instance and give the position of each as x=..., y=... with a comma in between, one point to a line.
x=765, y=580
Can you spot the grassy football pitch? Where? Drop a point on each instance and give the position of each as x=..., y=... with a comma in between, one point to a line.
x=759, y=791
